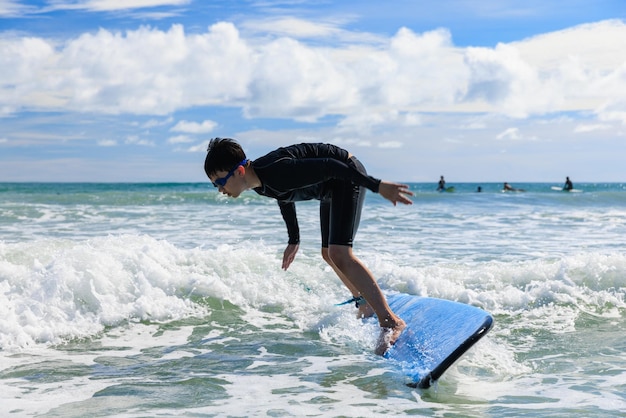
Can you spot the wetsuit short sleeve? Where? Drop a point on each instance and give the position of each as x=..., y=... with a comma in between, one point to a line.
x=288, y=210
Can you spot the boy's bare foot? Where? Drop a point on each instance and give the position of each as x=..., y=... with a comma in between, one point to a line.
x=388, y=337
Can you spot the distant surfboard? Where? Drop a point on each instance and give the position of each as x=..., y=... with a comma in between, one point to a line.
x=449, y=189
x=438, y=332
x=560, y=189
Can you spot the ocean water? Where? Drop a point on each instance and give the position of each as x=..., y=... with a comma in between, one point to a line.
x=144, y=300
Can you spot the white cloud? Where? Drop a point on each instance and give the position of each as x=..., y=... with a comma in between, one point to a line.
x=10, y=8
x=135, y=140
x=613, y=111
x=146, y=71
x=179, y=139
x=580, y=68
x=591, y=128
x=390, y=144
x=153, y=123
x=155, y=72
x=107, y=143
x=194, y=127
x=292, y=27
x=202, y=147
x=510, y=134
x=616, y=115
x=111, y=5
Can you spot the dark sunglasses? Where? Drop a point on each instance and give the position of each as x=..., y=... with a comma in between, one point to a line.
x=221, y=182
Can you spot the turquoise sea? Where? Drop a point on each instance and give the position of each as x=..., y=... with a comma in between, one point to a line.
x=146, y=300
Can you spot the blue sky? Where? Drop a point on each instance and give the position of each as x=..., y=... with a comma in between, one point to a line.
x=488, y=91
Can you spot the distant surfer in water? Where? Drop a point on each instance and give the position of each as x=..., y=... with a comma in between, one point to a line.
x=336, y=178
x=441, y=186
x=508, y=188
x=568, y=184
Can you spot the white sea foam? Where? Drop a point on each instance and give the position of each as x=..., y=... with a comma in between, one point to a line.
x=55, y=290
x=133, y=302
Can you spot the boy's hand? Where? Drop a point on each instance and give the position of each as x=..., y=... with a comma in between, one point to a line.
x=395, y=192
x=289, y=255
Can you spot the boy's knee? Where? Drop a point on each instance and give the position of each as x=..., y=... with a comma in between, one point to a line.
x=338, y=255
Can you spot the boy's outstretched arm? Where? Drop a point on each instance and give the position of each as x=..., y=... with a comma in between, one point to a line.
x=395, y=192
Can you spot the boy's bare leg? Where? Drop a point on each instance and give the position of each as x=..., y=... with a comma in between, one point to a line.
x=364, y=309
x=359, y=278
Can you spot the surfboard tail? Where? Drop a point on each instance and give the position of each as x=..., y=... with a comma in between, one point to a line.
x=438, y=333
x=427, y=381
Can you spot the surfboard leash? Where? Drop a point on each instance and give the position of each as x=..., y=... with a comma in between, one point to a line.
x=358, y=301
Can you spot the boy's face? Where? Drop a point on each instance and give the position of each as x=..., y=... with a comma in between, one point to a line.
x=230, y=183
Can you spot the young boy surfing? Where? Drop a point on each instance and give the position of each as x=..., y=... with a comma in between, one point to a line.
x=338, y=180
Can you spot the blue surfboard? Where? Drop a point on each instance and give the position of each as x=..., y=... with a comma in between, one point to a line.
x=438, y=332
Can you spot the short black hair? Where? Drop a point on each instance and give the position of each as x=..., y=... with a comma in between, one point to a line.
x=222, y=155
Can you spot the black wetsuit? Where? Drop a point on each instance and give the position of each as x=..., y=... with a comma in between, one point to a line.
x=316, y=171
